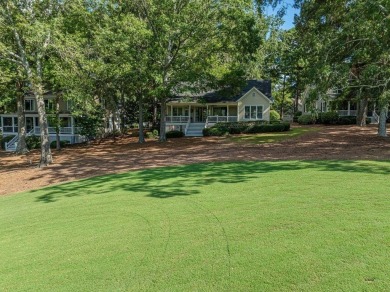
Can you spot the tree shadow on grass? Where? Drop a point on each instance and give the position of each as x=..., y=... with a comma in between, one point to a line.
x=167, y=182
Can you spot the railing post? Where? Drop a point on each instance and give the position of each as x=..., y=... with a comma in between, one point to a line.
x=6, y=146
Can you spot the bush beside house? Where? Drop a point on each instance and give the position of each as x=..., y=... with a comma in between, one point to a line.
x=174, y=134
x=221, y=129
x=5, y=139
x=274, y=116
x=328, y=118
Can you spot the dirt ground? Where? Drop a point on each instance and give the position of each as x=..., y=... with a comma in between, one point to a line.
x=19, y=173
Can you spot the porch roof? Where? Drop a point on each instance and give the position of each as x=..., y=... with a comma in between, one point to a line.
x=226, y=95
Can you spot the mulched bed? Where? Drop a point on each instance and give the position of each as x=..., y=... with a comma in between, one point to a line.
x=19, y=173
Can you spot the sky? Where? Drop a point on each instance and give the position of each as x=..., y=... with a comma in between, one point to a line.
x=289, y=17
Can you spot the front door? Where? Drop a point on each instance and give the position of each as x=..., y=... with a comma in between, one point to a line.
x=200, y=114
x=29, y=124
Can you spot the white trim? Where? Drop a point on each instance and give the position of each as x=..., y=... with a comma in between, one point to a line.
x=258, y=91
x=250, y=112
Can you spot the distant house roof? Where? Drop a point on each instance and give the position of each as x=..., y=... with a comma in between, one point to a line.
x=227, y=95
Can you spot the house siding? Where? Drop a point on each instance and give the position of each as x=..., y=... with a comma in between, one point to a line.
x=254, y=98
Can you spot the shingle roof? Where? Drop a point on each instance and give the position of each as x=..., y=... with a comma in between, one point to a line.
x=226, y=95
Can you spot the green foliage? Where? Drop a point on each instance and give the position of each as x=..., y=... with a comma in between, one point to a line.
x=91, y=124
x=33, y=142
x=319, y=218
x=307, y=119
x=150, y=134
x=215, y=131
x=350, y=120
x=4, y=139
x=274, y=115
x=328, y=118
x=63, y=143
x=221, y=129
x=174, y=134
x=297, y=114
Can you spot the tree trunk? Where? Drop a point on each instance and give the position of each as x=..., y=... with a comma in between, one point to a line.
x=46, y=157
x=21, y=147
x=155, y=113
x=283, y=97
x=382, y=120
x=122, y=113
x=141, y=138
x=113, y=119
x=362, y=112
x=163, y=137
x=58, y=124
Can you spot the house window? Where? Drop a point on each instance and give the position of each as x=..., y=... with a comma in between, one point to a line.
x=7, y=124
x=220, y=111
x=259, y=110
x=177, y=111
x=69, y=105
x=29, y=105
x=49, y=104
x=253, y=112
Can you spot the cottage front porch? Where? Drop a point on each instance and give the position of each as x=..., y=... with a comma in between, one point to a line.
x=9, y=127
x=192, y=118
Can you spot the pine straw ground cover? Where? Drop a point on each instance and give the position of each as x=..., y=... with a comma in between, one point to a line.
x=238, y=226
x=19, y=173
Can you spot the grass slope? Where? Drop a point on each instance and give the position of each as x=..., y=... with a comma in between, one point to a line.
x=258, y=226
x=271, y=137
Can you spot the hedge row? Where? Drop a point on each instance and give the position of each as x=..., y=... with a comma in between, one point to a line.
x=328, y=118
x=221, y=129
x=174, y=134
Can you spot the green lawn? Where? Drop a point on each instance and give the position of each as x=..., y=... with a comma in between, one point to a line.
x=258, y=226
x=271, y=137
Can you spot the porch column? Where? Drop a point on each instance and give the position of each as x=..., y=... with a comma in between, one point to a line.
x=349, y=108
x=72, y=124
x=189, y=112
x=207, y=111
x=171, y=112
x=227, y=112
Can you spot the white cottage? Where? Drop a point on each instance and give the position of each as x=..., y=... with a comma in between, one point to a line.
x=192, y=113
x=68, y=131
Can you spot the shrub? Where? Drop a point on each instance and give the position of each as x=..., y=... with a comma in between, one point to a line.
x=174, y=134
x=221, y=129
x=33, y=142
x=6, y=139
x=306, y=120
x=350, y=120
x=63, y=143
x=214, y=131
x=296, y=116
x=150, y=135
x=274, y=115
x=328, y=118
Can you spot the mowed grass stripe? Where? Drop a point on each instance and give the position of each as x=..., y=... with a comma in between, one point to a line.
x=297, y=225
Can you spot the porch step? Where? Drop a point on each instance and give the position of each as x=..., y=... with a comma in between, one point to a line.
x=195, y=129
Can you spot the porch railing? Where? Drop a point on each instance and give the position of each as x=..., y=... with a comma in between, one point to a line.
x=11, y=145
x=177, y=119
x=63, y=130
x=375, y=117
x=219, y=119
x=187, y=125
x=347, y=113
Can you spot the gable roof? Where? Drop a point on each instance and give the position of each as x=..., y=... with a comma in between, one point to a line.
x=226, y=95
